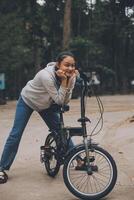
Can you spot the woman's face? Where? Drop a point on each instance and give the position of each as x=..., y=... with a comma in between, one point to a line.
x=67, y=65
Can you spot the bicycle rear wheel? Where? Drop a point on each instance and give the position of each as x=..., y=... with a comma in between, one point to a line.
x=51, y=162
x=90, y=186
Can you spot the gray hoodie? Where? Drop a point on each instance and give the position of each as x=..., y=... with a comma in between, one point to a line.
x=44, y=90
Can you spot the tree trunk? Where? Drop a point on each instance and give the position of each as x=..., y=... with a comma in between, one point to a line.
x=114, y=46
x=35, y=37
x=67, y=24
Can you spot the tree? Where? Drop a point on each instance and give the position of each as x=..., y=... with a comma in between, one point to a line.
x=100, y=33
x=67, y=24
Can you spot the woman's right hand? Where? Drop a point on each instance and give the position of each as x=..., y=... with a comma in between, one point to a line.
x=67, y=78
x=72, y=78
x=61, y=74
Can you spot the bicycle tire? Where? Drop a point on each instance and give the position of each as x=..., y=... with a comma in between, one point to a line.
x=93, y=180
x=52, y=170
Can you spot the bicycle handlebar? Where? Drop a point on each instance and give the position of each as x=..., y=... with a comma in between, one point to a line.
x=83, y=78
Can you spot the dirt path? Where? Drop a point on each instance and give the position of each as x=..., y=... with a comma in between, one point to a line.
x=27, y=177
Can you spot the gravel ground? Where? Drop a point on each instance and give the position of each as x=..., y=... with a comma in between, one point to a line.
x=28, y=178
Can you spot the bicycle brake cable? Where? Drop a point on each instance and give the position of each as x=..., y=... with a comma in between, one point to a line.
x=101, y=109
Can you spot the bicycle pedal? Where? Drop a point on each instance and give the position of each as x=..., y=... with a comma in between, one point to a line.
x=91, y=159
x=48, y=153
x=94, y=168
x=45, y=153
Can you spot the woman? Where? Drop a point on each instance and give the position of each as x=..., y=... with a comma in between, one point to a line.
x=53, y=84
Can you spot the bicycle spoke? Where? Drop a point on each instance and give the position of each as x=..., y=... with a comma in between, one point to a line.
x=51, y=163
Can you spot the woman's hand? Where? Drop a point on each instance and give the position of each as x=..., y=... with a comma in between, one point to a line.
x=67, y=77
x=73, y=74
x=61, y=74
x=72, y=77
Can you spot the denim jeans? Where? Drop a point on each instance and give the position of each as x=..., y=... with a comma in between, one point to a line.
x=23, y=113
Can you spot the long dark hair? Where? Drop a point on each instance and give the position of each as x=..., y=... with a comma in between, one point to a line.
x=63, y=55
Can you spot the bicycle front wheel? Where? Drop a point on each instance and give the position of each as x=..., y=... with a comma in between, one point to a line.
x=95, y=185
x=51, y=159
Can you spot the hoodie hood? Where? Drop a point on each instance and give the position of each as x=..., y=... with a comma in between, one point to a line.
x=51, y=68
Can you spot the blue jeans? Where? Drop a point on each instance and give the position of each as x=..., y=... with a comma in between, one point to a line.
x=23, y=113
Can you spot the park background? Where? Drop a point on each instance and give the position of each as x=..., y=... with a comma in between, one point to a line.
x=101, y=35
x=99, y=32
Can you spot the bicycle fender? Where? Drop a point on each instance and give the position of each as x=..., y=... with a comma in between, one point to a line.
x=91, y=145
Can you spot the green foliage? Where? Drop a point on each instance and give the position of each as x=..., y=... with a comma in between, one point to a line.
x=86, y=51
x=102, y=39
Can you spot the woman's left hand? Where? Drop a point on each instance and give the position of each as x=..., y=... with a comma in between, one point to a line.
x=72, y=77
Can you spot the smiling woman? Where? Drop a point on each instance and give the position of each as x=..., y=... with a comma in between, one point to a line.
x=52, y=85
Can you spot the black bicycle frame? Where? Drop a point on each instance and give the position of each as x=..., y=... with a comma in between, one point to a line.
x=83, y=119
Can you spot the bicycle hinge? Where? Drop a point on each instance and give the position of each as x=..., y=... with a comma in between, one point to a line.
x=84, y=119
